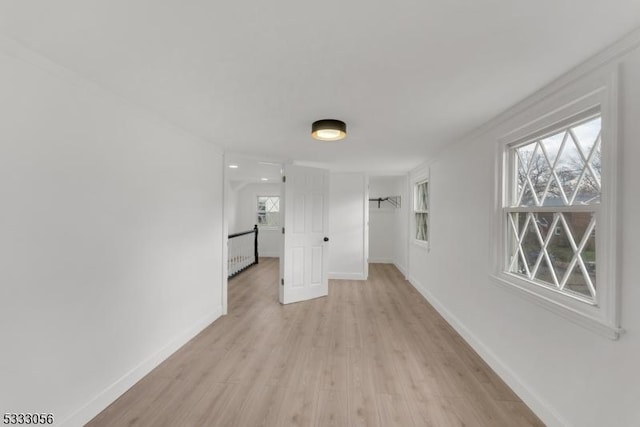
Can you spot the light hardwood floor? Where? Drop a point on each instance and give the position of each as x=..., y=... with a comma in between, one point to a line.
x=373, y=353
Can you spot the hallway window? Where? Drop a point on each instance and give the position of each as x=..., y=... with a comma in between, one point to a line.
x=556, y=226
x=421, y=210
x=268, y=211
x=553, y=209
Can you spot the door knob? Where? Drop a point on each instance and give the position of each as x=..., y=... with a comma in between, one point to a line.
x=326, y=239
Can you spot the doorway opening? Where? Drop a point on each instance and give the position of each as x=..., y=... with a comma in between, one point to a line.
x=388, y=220
x=253, y=216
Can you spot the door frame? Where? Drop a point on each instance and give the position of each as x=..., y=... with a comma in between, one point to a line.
x=224, y=295
x=225, y=235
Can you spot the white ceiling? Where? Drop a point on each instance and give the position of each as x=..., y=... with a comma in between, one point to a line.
x=252, y=170
x=407, y=76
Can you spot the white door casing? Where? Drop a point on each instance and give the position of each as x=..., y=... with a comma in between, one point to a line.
x=306, y=222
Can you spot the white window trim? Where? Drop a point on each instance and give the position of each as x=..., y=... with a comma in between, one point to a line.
x=268, y=227
x=424, y=176
x=600, y=89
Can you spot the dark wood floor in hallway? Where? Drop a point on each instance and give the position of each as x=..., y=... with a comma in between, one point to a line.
x=373, y=353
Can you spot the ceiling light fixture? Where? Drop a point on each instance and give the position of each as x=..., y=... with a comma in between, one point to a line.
x=264, y=179
x=329, y=130
x=233, y=166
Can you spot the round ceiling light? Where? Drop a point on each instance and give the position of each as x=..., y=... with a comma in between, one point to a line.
x=329, y=130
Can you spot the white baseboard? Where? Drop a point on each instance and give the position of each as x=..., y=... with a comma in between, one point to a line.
x=347, y=276
x=380, y=261
x=98, y=403
x=538, y=405
x=402, y=269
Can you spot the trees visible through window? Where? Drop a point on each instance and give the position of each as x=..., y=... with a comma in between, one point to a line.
x=268, y=211
x=556, y=220
x=553, y=205
x=421, y=210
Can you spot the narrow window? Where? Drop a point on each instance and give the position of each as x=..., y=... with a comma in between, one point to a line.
x=421, y=210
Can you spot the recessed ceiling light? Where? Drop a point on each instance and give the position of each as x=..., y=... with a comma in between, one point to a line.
x=264, y=179
x=329, y=130
x=233, y=166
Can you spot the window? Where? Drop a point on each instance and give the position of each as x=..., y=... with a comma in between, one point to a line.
x=421, y=210
x=552, y=209
x=268, y=211
x=556, y=236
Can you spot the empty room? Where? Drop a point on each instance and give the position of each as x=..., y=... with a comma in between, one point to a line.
x=360, y=213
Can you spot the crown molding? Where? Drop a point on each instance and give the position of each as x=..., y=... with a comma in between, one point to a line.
x=610, y=55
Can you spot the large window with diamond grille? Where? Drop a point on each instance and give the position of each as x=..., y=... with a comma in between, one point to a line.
x=552, y=211
x=268, y=211
x=557, y=222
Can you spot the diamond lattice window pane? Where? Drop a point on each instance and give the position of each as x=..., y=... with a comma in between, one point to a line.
x=569, y=167
x=596, y=161
x=555, y=195
x=589, y=257
x=551, y=148
x=587, y=134
x=560, y=172
x=566, y=243
x=268, y=210
x=588, y=191
x=526, y=153
x=531, y=244
x=552, y=145
x=545, y=272
x=582, y=228
x=521, y=178
x=525, y=245
x=576, y=282
x=560, y=250
x=561, y=169
x=528, y=198
x=518, y=263
x=578, y=223
x=590, y=188
x=539, y=174
x=543, y=247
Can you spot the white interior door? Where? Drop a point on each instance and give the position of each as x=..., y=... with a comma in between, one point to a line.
x=306, y=222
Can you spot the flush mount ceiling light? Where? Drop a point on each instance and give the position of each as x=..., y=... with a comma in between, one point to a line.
x=329, y=130
x=233, y=166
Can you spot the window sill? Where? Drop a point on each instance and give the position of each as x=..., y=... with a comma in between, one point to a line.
x=421, y=243
x=558, y=307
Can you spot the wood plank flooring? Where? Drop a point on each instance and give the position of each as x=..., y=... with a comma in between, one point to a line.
x=373, y=353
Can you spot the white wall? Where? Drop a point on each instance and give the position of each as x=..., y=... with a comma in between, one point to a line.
x=569, y=375
x=348, y=213
x=269, y=240
x=231, y=208
x=110, y=255
x=401, y=224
